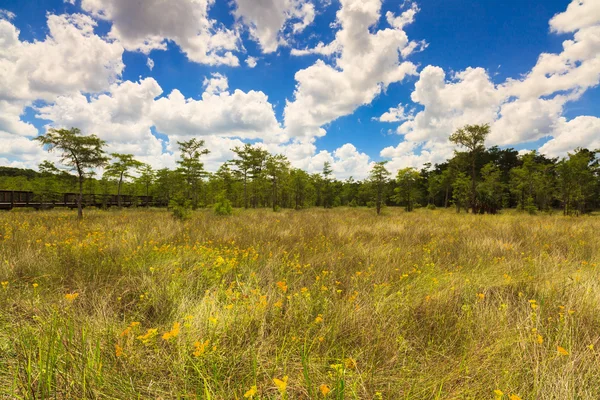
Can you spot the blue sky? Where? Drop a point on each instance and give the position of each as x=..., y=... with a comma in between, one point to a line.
x=471, y=62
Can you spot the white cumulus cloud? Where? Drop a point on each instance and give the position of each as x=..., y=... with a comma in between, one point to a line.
x=366, y=63
x=149, y=25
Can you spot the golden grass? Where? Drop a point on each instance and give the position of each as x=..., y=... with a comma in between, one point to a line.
x=347, y=305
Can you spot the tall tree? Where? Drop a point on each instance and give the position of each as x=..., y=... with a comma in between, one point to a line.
x=277, y=167
x=191, y=167
x=576, y=181
x=408, y=191
x=146, y=178
x=300, y=181
x=461, y=191
x=120, y=169
x=490, y=189
x=225, y=177
x=249, y=163
x=327, y=192
x=78, y=152
x=379, y=177
x=472, y=137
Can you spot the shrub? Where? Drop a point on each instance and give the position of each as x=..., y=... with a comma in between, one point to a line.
x=181, y=208
x=223, y=206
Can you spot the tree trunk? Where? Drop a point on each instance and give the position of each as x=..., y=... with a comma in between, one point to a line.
x=473, y=190
x=274, y=195
x=245, y=191
x=378, y=200
x=119, y=191
x=80, y=199
x=446, y=198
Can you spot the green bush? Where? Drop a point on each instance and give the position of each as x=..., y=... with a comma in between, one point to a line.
x=181, y=208
x=223, y=206
x=530, y=206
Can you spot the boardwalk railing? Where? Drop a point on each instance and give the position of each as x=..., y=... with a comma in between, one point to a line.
x=10, y=199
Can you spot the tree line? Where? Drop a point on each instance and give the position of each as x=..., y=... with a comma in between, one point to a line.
x=476, y=179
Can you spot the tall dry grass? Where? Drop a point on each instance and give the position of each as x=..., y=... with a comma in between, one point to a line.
x=347, y=305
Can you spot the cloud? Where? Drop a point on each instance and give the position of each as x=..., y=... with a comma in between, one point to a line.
x=70, y=59
x=251, y=62
x=267, y=20
x=125, y=115
x=579, y=14
x=10, y=119
x=238, y=114
x=216, y=84
x=519, y=110
x=583, y=131
x=149, y=25
x=366, y=63
x=346, y=161
x=121, y=117
x=395, y=114
x=5, y=14
x=470, y=97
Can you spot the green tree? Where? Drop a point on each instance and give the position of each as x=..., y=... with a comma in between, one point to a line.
x=472, y=137
x=408, y=191
x=300, y=183
x=379, y=177
x=120, y=169
x=327, y=197
x=192, y=168
x=78, y=152
x=226, y=179
x=576, y=181
x=276, y=167
x=461, y=191
x=250, y=164
x=490, y=189
x=146, y=178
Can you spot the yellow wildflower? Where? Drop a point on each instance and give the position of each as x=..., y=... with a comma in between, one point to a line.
x=540, y=339
x=281, y=384
x=324, y=389
x=118, y=350
x=319, y=319
x=173, y=332
x=70, y=297
x=283, y=286
x=514, y=397
x=562, y=351
x=150, y=334
x=35, y=285
x=4, y=284
x=200, y=348
x=480, y=296
x=498, y=392
x=250, y=393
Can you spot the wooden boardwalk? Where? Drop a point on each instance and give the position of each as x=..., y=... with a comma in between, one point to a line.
x=10, y=199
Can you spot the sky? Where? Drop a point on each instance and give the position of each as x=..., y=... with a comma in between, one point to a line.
x=351, y=82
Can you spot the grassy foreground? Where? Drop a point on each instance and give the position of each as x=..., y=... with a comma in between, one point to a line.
x=336, y=304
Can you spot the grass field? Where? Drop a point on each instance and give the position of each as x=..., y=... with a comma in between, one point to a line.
x=336, y=304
